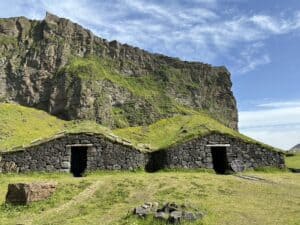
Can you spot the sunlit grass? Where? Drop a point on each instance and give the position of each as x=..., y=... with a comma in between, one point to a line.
x=223, y=199
x=293, y=161
x=21, y=126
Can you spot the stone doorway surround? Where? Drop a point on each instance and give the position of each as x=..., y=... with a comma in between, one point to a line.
x=91, y=154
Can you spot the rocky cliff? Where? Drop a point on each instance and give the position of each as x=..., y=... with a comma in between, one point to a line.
x=60, y=67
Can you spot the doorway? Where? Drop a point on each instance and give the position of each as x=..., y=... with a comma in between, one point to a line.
x=219, y=157
x=78, y=160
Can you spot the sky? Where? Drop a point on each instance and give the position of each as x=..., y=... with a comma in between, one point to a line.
x=257, y=40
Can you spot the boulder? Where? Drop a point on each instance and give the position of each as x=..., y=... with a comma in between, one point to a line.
x=22, y=194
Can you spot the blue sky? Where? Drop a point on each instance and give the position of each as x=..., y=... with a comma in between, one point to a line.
x=257, y=40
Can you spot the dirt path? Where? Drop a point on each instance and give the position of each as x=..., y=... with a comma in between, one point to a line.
x=253, y=178
x=81, y=197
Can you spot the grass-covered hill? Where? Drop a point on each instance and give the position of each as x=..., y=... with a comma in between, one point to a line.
x=176, y=130
x=293, y=161
x=23, y=126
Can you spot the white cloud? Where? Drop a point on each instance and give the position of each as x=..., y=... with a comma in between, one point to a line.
x=280, y=104
x=284, y=138
x=253, y=63
x=270, y=117
x=274, y=25
x=278, y=126
x=250, y=58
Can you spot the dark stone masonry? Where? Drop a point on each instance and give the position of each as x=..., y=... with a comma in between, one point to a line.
x=55, y=155
x=199, y=153
x=78, y=153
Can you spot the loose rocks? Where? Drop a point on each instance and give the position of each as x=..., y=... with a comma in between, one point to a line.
x=170, y=212
x=146, y=209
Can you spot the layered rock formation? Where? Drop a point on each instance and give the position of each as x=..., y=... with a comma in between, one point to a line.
x=62, y=68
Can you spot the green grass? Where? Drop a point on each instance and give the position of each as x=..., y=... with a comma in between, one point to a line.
x=223, y=199
x=146, y=87
x=152, y=91
x=8, y=40
x=293, y=161
x=22, y=126
x=176, y=130
x=67, y=188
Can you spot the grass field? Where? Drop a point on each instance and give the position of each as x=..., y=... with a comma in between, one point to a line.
x=293, y=161
x=107, y=197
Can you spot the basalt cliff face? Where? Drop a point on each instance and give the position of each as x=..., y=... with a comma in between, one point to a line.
x=60, y=67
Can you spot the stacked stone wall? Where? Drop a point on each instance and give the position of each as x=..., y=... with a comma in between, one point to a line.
x=197, y=154
x=105, y=154
x=55, y=155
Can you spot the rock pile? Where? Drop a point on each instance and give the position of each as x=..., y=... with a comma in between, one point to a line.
x=170, y=212
x=23, y=194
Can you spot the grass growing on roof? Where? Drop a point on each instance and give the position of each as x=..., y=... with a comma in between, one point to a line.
x=86, y=126
x=178, y=129
x=21, y=125
x=293, y=161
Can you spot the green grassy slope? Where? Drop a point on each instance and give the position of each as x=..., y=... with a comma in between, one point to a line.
x=20, y=126
x=150, y=91
x=293, y=161
x=153, y=92
x=178, y=129
x=225, y=200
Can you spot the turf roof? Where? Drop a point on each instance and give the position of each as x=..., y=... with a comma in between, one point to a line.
x=21, y=127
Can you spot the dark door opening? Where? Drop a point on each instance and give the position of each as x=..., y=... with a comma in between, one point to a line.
x=156, y=161
x=219, y=157
x=78, y=160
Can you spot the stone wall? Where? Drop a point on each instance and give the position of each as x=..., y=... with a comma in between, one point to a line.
x=104, y=154
x=196, y=154
x=55, y=155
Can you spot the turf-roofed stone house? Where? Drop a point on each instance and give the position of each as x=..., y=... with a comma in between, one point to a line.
x=221, y=152
x=75, y=153
x=81, y=152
